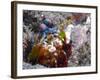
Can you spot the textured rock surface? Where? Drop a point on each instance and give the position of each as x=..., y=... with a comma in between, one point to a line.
x=29, y=66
